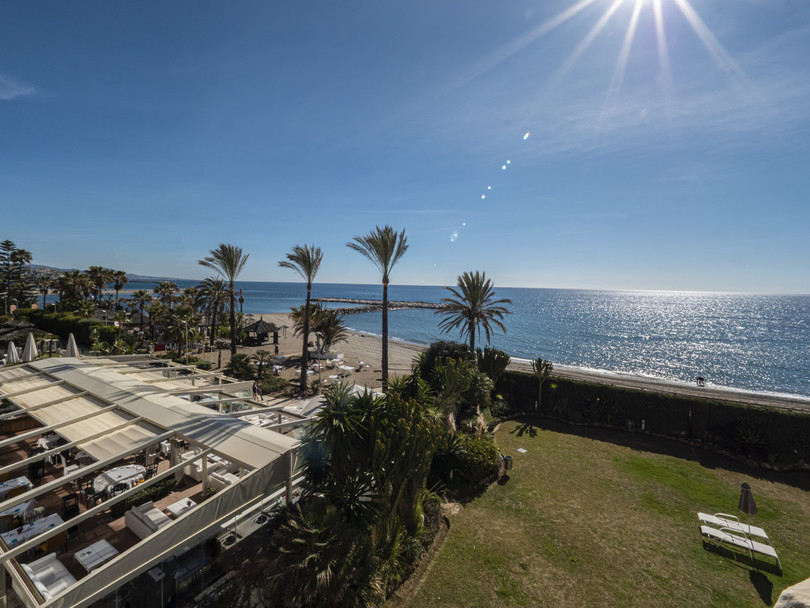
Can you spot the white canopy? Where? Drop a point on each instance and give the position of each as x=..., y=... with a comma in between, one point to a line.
x=72, y=347
x=30, y=351
x=12, y=356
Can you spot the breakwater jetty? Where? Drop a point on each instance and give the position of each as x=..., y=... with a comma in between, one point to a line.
x=361, y=305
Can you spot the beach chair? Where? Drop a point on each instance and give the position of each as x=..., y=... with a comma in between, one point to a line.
x=724, y=520
x=735, y=538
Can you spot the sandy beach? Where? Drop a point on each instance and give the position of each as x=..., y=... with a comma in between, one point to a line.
x=367, y=349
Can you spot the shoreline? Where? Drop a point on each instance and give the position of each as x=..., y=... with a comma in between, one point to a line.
x=367, y=347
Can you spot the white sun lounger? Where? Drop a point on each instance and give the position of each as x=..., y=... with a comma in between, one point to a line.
x=734, y=538
x=724, y=520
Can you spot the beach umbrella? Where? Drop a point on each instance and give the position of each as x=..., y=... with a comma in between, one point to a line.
x=30, y=351
x=747, y=504
x=72, y=348
x=12, y=356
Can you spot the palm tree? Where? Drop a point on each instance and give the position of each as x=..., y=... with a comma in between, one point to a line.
x=229, y=261
x=141, y=298
x=384, y=247
x=166, y=292
x=330, y=329
x=44, y=281
x=120, y=279
x=73, y=285
x=99, y=277
x=181, y=326
x=473, y=307
x=542, y=371
x=305, y=261
x=211, y=297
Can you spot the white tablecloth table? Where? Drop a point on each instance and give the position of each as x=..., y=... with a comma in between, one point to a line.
x=21, y=508
x=181, y=506
x=7, y=486
x=95, y=555
x=28, y=531
x=129, y=474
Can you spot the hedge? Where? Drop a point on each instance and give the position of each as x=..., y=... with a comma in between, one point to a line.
x=759, y=434
x=64, y=324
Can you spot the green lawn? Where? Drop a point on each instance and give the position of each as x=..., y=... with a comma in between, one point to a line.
x=600, y=518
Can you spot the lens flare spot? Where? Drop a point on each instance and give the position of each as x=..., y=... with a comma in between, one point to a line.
x=453, y=236
x=489, y=187
x=526, y=135
x=463, y=223
x=483, y=196
x=503, y=167
x=509, y=162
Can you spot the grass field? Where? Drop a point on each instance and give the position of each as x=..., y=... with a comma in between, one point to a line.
x=594, y=518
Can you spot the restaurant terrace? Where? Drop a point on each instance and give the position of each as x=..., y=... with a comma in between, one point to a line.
x=127, y=476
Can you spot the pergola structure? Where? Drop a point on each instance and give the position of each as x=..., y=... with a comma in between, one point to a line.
x=114, y=410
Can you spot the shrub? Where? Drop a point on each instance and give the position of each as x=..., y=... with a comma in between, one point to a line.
x=441, y=350
x=156, y=492
x=273, y=384
x=777, y=436
x=479, y=460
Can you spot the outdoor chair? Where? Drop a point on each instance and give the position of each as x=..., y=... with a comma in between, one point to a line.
x=33, y=515
x=118, y=488
x=70, y=509
x=724, y=520
x=737, y=539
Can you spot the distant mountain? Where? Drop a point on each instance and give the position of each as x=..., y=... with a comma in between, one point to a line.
x=131, y=275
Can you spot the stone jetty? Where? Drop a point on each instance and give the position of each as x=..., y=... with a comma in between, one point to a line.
x=361, y=305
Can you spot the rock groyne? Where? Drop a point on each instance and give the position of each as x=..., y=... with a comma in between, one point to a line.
x=362, y=305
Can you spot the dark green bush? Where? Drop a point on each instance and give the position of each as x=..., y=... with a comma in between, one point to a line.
x=156, y=492
x=479, y=460
x=764, y=434
x=273, y=384
x=63, y=324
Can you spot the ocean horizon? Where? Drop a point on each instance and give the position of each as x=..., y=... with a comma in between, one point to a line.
x=741, y=342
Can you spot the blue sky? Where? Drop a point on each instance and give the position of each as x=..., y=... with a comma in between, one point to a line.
x=667, y=140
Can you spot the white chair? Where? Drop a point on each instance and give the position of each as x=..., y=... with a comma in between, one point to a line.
x=735, y=538
x=724, y=520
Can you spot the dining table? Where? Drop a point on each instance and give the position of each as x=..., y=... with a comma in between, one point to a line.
x=17, y=536
x=21, y=508
x=129, y=474
x=7, y=486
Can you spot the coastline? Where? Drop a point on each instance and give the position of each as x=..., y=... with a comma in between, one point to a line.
x=367, y=348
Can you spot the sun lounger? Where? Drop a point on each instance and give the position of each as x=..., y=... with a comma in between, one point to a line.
x=723, y=520
x=736, y=538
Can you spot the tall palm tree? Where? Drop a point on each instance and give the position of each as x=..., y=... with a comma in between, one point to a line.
x=73, y=285
x=119, y=278
x=99, y=277
x=166, y=292
x=305, y=261
x=141, y=298
x=330, y=329
x=44, y=280
x=229, y=261
x=472, y=307
x=211, y=297
x=384, y=247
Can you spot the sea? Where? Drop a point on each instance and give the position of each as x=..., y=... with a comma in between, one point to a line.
x=751, y=343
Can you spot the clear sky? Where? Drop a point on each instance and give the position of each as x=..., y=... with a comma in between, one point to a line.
x=628, y=144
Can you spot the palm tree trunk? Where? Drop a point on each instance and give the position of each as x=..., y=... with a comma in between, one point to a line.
x=233, y=321
x=213, y=326
x=305, y=352
x=385, y=337
x=472, y=337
